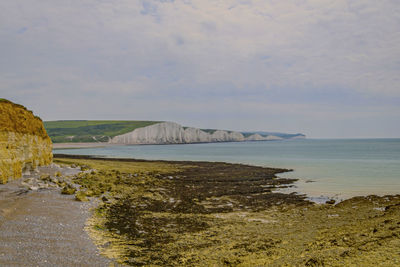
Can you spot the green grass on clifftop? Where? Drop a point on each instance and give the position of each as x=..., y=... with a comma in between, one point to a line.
x=90, y=131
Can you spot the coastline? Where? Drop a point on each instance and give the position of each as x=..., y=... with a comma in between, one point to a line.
x=340, y=169
x=197, y=213
x=228, y=214
x=73, y=145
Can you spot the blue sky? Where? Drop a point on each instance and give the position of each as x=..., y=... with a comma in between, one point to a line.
x=324, y=68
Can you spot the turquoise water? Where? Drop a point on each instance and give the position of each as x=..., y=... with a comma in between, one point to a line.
x=338, y=168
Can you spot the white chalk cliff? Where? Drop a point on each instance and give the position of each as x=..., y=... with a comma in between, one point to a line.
x=173, y=133
x=258, y=137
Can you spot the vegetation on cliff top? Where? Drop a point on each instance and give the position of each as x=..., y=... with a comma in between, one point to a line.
x=17, y=118
x=74, y=131
x=66, y=131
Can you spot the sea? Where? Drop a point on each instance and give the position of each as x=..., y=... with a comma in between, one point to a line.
x=325, y=168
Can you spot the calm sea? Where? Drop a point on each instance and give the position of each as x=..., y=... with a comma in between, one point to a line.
x=325, y=168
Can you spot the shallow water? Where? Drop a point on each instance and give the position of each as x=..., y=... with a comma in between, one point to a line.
x=329, y=168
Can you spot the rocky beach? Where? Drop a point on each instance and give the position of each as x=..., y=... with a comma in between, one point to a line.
x=219, y=214
x=164, y=213
x=39, y=226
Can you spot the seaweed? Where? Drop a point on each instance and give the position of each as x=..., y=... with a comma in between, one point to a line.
x=219, y=214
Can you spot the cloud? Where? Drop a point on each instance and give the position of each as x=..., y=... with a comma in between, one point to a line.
x=334, y=53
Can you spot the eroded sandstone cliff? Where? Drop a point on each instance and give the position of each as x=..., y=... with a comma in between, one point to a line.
x=24, y=143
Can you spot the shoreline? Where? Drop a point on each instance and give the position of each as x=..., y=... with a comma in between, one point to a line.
x=341, y=170
x=170, y=198
x=73, y=145
x=321, y=199
x=338, y=173
x=203, y=216
x=209, y=213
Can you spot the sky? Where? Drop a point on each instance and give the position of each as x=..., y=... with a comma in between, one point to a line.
x=325, y=68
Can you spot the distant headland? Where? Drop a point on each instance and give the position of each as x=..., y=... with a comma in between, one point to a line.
x=149, y=132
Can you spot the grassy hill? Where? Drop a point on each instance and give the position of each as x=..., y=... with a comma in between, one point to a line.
x=90, y=131
x=75, y=131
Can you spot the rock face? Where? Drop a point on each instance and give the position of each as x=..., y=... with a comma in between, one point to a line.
x=173, y=133
x=24, y=143
x=258, y=137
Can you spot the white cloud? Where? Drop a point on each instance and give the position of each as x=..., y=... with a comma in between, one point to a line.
x=142, y=51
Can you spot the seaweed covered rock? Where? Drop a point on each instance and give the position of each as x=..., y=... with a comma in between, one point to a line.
x=24, y=143
x=68, y=190
x=81, y=196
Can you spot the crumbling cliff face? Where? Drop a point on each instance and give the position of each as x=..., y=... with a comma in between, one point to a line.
x=24, y=143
